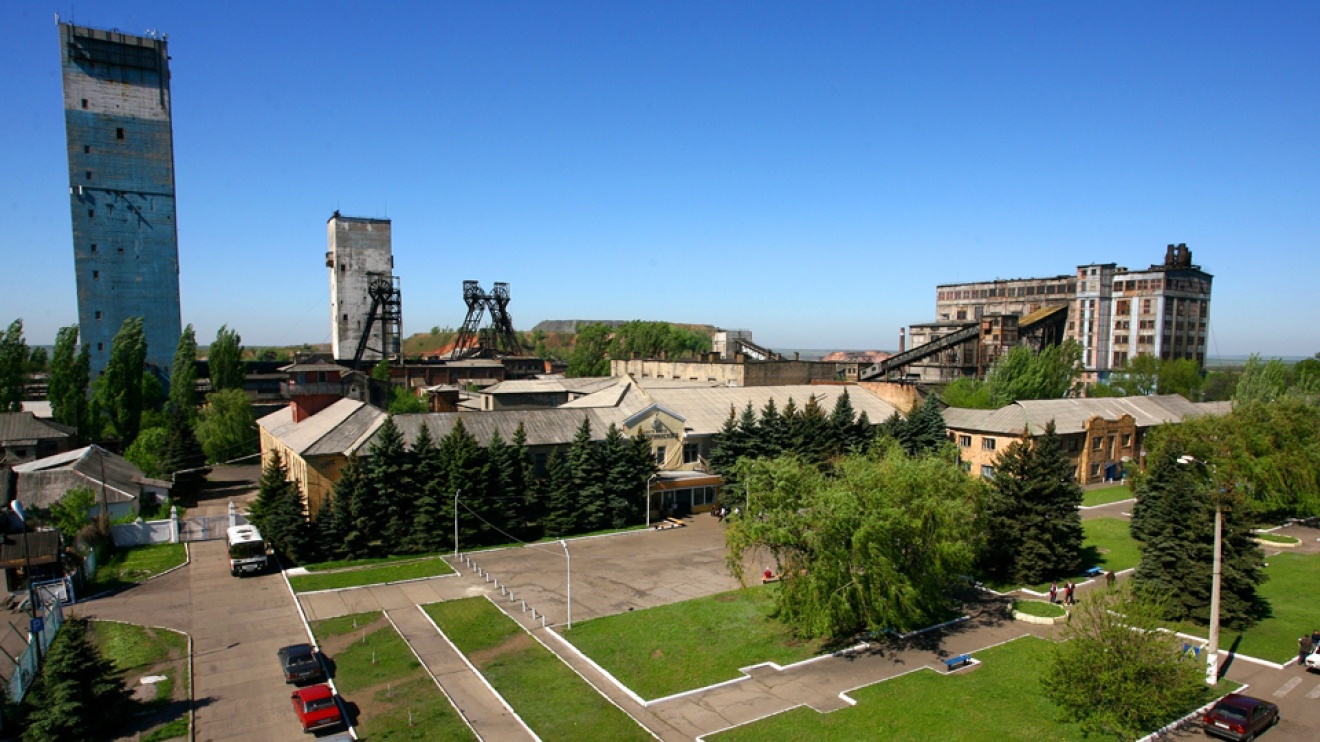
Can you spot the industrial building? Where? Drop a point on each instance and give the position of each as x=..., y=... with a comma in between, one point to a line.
x=1114, y=313
x=365, y=314
x=121, y=188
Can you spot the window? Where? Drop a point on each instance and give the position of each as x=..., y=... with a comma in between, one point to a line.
x=988, y=444
x=1096, y=443
x=119, y=133
x=96, y=274
x=987, y=471
x=87, y=149
x=98, y=314
x=345, y=317
x=89, y=174
x=84, y=103
x=320, y=377
x=659, y=455
x=965, y=466
x=1145, y=306
x=539, y=462
x=100, y=346
x=965, y=441
x=691, y=453
x=1095, y=470
x=91, y=213
x=93, y=247
x=1072, y=445
x=1127, y=439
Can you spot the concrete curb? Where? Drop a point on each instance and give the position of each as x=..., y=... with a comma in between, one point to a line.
x=434, y=679
x=1177, y=725
x=302, y=616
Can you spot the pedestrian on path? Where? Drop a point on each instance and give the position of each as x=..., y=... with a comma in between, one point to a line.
x=1068, y=592
x=1304, y=648
x=1110, y=579
x=1054, y=592
x=1315, y=638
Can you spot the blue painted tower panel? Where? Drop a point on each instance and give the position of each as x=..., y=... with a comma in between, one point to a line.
x=121, y=188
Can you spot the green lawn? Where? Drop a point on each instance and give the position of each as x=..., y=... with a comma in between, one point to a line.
x=1109, y=544
x=1038, y=608
x=375, y=669
x=672, y=648
x=1104, y=496
x=1291, y=591
x=134, y=565
x=1275, y=538
x=552, y=699
x=350, y=563
x=999, y=700
x=370, y=575
x=136, y=651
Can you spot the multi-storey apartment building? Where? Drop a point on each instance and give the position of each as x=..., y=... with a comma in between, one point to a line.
x=1115, y=314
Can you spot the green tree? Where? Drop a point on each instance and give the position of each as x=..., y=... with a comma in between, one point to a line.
x=590, y=354
x=403, y=402
x=389, y=477
x=968, y=393
x=38, y=361
x=620, y=486
x=505, y=496
x=78, y=696
x=1116, y=673
x=728, y=447
x=146, y=452
x=278, y=512
x=183, y=374
x=431, y=483
x=225, y=360
x=923, y=431
x=381, y=371
x=1173, y=523
x=72, y=513
x=1023, y=374
x=69, y=378
x=1261, y=381
x=340, y=534
x=561, y=517
x=183, y=461
x=1138, y=378
x=588, y=480
x=118, y=390
x=1181, y=376
x=466, y=466
x=227, y=427
x=1032, y=510
x=13, y=367
x=532, y=506
x=875, y=545
x=841, y=429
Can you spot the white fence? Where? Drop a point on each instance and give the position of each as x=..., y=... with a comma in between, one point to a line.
x=176, y=529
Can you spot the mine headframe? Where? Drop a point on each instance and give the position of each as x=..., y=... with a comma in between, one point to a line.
x=499, y=336
x=387, y=310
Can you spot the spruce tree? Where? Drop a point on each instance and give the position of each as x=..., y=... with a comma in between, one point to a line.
x=619, y=485
x=1032, y=513
x=429, y=532
x=561, y=517
x=584, y=467
x=466, y=469
x=729, y=445
x=815, y=440
x=78, y=696
x=504, y=495
x=278, y=512
x=772, y=431
x=790, y=430
x=385, y=514
x=924, y=430
x=183, y=459
x=749, y=429
x=840, y=427
x=1173, y=521
x=862, y=434
x=532, y=508
x=346, y=541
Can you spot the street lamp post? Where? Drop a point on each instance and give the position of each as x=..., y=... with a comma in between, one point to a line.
x=1212, y=651
x=456, y=522
x=648, y=498
x=568, y=561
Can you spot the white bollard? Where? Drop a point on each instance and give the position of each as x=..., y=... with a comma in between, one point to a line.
x=524, y=606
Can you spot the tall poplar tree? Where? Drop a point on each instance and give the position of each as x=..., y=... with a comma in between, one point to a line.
x=13, y=367
x=183, y=374
x=119, y=388
x=70, y=371
x=224, y=359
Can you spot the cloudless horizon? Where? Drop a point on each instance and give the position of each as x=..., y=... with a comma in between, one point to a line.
x=809, y=172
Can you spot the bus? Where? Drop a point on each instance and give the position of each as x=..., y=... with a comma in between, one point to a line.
x=247, y=550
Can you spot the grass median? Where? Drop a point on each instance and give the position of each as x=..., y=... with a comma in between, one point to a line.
x=551, y=699
x=161, y=654
x=357, y=577
x=377, y=673
x=672, y=648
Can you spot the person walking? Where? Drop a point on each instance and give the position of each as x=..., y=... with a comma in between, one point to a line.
x=1315, y=638
x=1110, y=579
x=1054, y=592
x=1304, y=648
x=1068, y=592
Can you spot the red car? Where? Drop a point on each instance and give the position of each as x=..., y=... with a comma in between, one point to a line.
x=1239, y=718
x=316, y=708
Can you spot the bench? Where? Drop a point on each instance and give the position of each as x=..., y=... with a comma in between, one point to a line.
x=1095, y=571
x=953, y=663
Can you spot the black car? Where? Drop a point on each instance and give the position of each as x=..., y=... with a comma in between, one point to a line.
x=301, y=663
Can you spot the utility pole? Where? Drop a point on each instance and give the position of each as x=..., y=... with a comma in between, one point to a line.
x=568, y=560
x=456, y=522
x=1216, y=574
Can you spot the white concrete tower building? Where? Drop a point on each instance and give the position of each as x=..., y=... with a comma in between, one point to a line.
x=358, y=247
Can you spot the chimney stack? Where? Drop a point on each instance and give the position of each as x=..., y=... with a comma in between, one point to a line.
x=902, y=339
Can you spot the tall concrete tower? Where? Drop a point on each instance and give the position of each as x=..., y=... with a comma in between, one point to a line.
x=121, y=188
x=359, y=252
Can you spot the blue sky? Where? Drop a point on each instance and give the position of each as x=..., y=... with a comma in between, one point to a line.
x=809, y=171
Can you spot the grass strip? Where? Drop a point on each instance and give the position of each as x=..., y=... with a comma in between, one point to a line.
x=134, y=565
x=370, y=575
x=355, y=563
x=377, y=670
x=669, y=649
x=1106, y=495
x=1275, y=538
x=552, y=699
x=132, y=649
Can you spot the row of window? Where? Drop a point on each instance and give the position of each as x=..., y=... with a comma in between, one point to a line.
x=691, y=453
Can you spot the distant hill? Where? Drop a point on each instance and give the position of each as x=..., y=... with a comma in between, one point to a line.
x=571, y=325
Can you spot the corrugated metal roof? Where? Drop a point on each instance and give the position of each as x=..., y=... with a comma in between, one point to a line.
x=44, y=481
x=532, y=386
x=25, y=426
x=301, y=437
x=552, y=427
x=349, y=434
x=1071, y=415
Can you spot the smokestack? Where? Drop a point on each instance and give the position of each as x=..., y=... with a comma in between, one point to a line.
x=1169, y=255
x=902, y=339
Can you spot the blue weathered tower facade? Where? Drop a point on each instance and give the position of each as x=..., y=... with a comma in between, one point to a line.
x=121, y=188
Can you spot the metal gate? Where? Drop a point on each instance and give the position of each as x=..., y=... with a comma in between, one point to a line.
x=203, y=528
